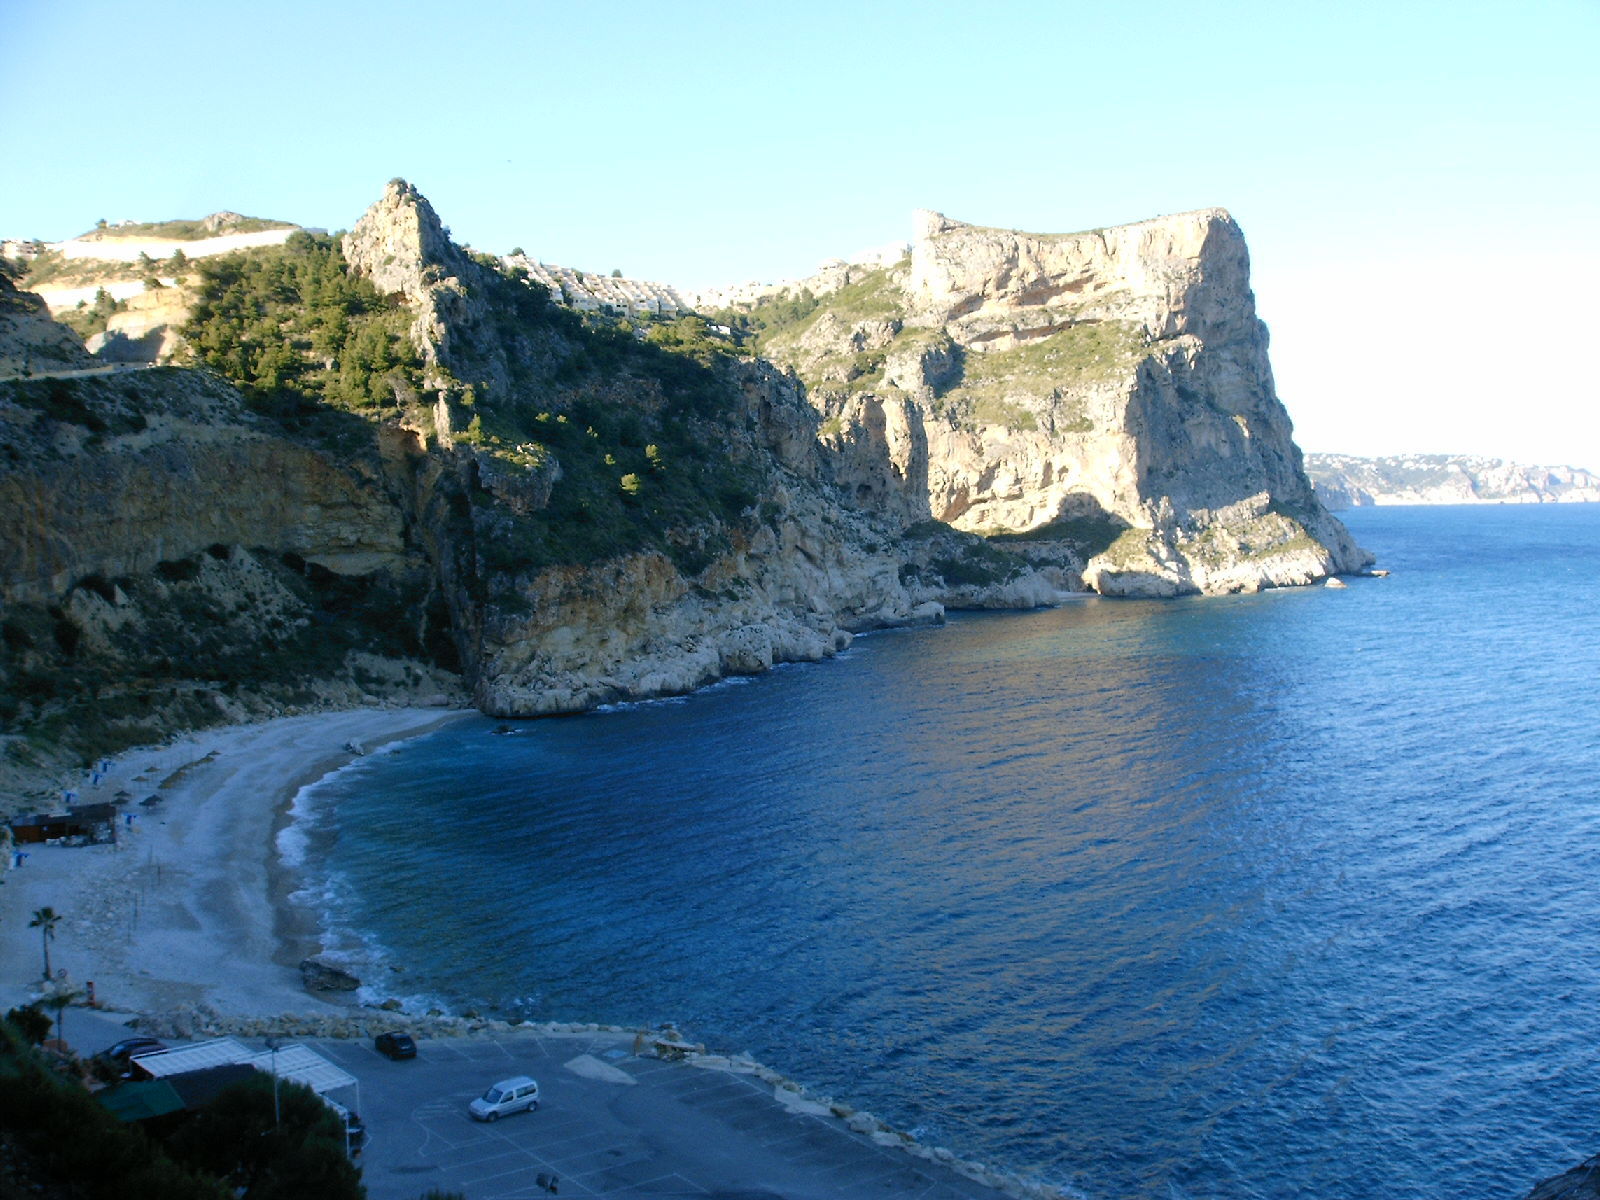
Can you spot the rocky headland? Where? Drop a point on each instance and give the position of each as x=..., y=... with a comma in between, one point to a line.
x=395, y=469
x=1101, y=398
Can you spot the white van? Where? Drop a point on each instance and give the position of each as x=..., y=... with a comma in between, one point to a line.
x=507, y=1096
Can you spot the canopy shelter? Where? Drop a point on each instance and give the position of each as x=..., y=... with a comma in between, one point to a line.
x=295, y=1062
x=142, y=1100
x=303, y=1065
x=147, y=1099
x=219, y=1052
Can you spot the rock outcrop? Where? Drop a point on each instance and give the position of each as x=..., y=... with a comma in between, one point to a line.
x=30, y=342
x=725, y=594
x=402, y=247
x=794, y=589
x=1349, y=481
x=318, y=975
x=1111, y=388
x=145, y=328
x=1582, y=1182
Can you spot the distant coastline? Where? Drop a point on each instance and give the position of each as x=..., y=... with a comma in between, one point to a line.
x=1345, y=481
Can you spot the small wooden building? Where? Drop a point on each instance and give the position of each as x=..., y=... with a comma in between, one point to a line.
x=91, y=822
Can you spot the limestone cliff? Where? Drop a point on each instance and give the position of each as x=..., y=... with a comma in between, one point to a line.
x=1110, y=390
x=145, y=328
x=550, y=510
x=752, y=556
x=171, y=559
x=1349, y=481
x=158, y=466
x=401, y=246
x=30, y=341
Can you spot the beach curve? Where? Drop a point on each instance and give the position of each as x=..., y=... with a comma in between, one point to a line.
x=188, y=907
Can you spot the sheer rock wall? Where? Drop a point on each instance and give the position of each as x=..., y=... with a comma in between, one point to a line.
x=1008, y=382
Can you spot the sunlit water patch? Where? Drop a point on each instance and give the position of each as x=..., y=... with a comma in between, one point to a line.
x=1235, y=897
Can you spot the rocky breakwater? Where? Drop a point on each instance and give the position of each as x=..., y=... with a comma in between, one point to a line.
x=1101, y=400
x=619, y=514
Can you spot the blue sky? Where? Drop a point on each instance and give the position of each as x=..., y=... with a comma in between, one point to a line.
x=1417, y=181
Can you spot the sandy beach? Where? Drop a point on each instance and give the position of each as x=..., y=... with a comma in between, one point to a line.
x=187, y=906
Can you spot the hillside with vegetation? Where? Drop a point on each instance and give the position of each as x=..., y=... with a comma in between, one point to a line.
x=389, y=468
x=295, y=331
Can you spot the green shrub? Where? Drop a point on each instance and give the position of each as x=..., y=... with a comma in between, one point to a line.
x=269, y=1141
x=61, y=1142
x=291, y=321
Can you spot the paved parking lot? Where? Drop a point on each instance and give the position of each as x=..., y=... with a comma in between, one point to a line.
x=609, y=1124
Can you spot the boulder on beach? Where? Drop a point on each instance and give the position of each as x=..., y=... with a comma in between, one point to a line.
x=319, y=976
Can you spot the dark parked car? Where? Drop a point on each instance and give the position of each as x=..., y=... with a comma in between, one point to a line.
x=128, y=1047
x=395, y=1045
x=121, y=1055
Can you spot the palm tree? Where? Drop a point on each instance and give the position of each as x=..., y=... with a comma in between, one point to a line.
x=45, y=921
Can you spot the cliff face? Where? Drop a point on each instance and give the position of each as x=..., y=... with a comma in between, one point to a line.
x=30, y=341
x=172, y=560
x=784, y=572
x=775, y=567
x=555, y=511
x=1110, y=389
x=111, y=478
x=1348, y=481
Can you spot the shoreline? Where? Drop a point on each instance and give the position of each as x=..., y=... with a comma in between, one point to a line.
x=191, y=905
x=186, y=926
x=298, y=926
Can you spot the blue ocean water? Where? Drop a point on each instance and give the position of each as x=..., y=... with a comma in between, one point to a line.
x=1286, y=894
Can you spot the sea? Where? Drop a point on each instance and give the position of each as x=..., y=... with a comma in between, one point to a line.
x=1278, y=895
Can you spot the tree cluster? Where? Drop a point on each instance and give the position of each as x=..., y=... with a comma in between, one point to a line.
x=56, y=1139
x=293, y=320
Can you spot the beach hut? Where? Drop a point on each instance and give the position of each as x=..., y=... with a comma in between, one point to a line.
x=88, y=822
